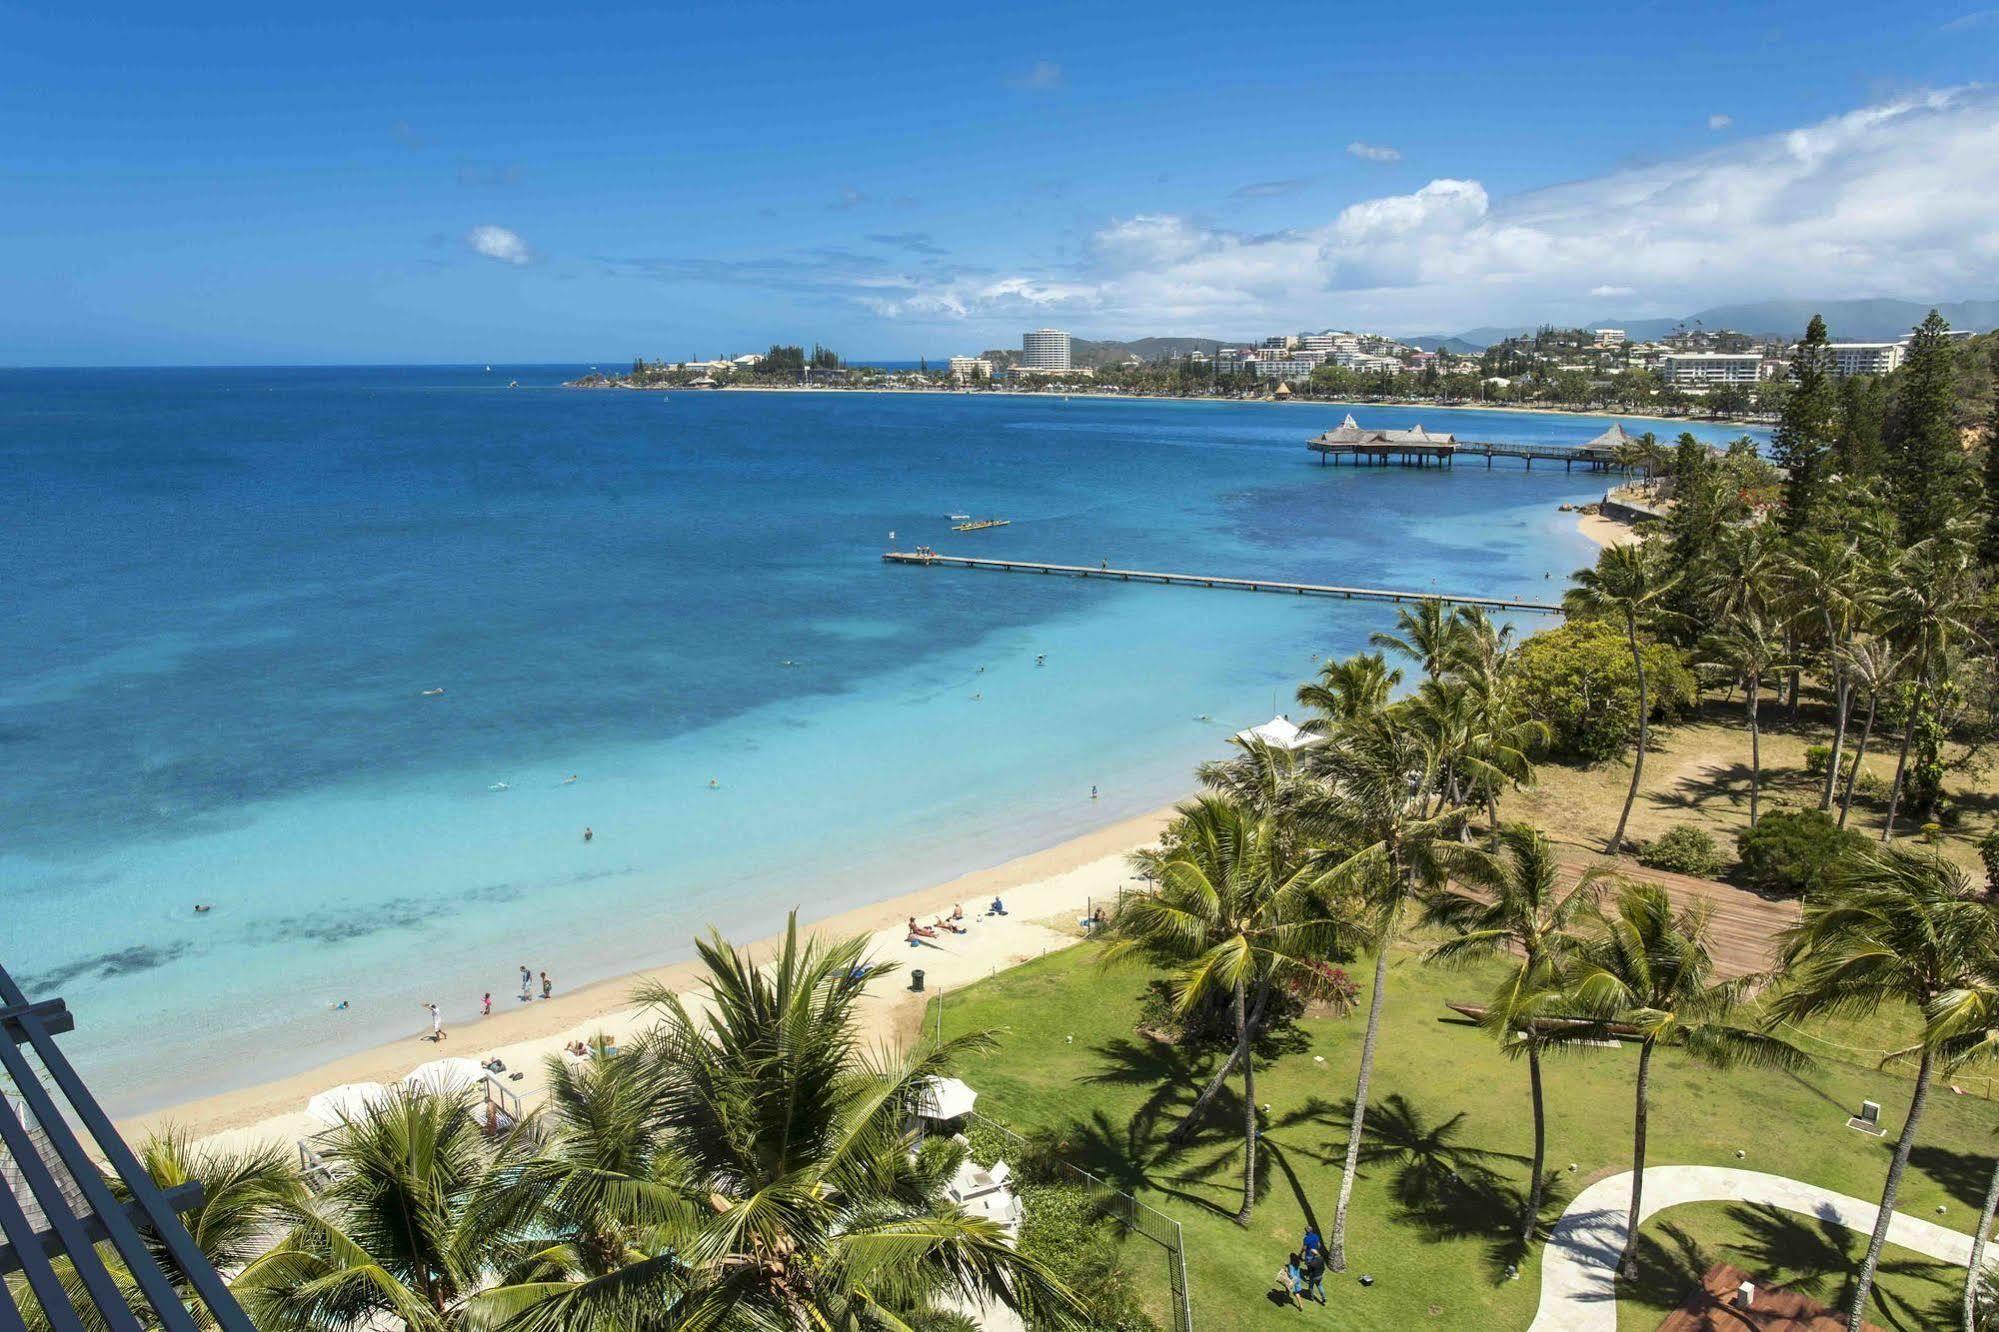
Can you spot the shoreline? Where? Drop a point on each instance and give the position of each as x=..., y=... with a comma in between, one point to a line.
x=1045, y=891
x=1413, y=405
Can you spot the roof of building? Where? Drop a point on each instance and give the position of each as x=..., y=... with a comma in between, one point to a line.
x=1614, y=438
x=1347, y=432
x=1712, y=1308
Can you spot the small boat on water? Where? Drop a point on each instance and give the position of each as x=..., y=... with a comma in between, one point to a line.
x=959, y=517
x=980, y=524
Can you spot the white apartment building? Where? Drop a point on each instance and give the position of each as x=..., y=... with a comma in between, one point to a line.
x=1045, y=349
x=1282, y=343
x=1704, y=369
x=1228, y=360
x=965, y=368
x=1285, y=367
x=1608, y=337
x=1846, y=359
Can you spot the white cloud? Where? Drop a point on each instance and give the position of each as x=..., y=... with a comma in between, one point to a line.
x=1041, y=76
x=1892, y=198
x=1720, y=121
x=498, y=243
x=1373, y=152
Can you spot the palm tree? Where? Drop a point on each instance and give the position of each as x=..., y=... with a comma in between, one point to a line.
x=393, y=1237
x=1502, y=740
x=1626, y=584
x=1827, y=579
x=1896, y=928
x=243, y=1196
x=1962, y=1026
x=1511, y=901
x=1347, y=689
x=1650, y=967
x=1431, y=636
x=1377, y=779
x=1872, y=664
x=1744, y=645
x=1929, y=608
x=1235, y=916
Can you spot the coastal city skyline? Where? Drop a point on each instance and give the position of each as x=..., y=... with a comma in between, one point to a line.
x=627, y=205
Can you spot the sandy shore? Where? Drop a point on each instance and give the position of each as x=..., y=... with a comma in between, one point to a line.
x=1608, y=531
x=1045, y=894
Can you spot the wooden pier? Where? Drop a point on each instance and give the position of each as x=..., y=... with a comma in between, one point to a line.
x=930, y=558
x=1418, y=447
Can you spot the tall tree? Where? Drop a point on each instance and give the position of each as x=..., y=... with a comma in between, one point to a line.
x=1807, y=427
x=1926, y=463
x=1961, y=1026
x=1236, y=916
x=1347, y=689
x=1378, y=777
x=1745, y=646
x=1897, y=929
x=1863, y=406
x=1988, y=536
x=1929, y=609
x=1828, y=581
x=1511, y=901
x=1430, y=636
x=1626, y=585
x=1649, y=967
x=1872, y=664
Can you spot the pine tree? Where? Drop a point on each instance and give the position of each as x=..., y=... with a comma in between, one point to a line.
x=1805, y=431
x=1926, y=463
x=1863, y=402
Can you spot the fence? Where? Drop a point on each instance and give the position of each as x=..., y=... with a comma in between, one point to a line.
x=1136, y=1218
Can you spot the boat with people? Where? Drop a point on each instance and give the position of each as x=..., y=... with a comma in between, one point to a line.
x=980, y=524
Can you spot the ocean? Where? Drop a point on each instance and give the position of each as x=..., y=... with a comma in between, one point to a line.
x=354, y=656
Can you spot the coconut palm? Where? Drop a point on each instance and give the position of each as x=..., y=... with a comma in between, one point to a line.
x=1261, y=778
x=1377, y=778
x=1745, y=646
x=1828, y=580
x=1504, y=740
x=1872, y=665
x=1626, y=584
x=1896, y=928
x=1237, y=915
x=1929, y=607
x=244, y=1196
x=1347, y=689
x=1511, y=901
x=393, y=1237
x=1650, y=967
x=1961, y=1026
x=1431, y=636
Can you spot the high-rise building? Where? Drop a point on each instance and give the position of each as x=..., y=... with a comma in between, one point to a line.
x=1045, y=349
x=1846, y=359
x=1700, y=369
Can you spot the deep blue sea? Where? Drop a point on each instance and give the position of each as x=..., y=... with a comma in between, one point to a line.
x=229, y=593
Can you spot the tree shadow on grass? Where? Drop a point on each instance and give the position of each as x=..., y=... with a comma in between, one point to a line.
x=1965, y=1175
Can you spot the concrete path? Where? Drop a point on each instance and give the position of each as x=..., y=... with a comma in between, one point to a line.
x=1580, y=1263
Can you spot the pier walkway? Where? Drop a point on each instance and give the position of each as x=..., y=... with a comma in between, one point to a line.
x=1417, y=447
x=928, y=558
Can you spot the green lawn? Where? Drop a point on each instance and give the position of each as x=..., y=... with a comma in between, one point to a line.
x=1071, y=1058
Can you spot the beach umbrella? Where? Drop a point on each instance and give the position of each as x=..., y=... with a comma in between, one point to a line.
x=445, y=1077
x=945, y=1098
x=348, y=1101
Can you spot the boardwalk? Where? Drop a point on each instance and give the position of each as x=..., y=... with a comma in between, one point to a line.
x=931, y=559
x=1418, y=447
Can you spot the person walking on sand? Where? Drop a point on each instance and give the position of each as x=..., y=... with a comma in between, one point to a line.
x=486, y=1005
x=527, y=983
x=547, y=986
x=436, y=1023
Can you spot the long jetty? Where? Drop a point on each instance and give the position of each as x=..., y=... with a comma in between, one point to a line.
x=1444, y=454
x=930, y=559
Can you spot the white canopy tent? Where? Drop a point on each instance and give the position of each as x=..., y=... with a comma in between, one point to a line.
x=445, y=1077
x=348, y=1101
x=1278, y=733
x=946, y=1098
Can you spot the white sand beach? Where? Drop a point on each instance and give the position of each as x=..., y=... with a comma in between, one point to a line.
x=1045, y=893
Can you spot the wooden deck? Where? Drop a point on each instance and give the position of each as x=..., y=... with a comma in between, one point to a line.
x=1711, y=1308
x=931, y=559
x=1445, y=455
x=1745, y=925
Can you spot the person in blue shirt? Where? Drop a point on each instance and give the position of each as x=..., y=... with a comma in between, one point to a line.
x=1312, y=1243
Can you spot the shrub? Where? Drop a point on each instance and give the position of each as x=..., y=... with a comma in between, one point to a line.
x=1064, y=1229
x=1683, y=850
x=1795, y=850
x=1819, y=757
x=1988, y=851
x=1579, y=680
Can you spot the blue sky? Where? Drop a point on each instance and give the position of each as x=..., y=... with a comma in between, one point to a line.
x=510, y=183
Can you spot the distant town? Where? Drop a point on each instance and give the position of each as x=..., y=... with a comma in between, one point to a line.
x=1714, y=372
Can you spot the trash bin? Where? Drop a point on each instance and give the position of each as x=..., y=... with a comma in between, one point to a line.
x=916, y=980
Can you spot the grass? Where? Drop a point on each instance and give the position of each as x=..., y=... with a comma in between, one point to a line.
x=1697, y=772
x=1071, y=1059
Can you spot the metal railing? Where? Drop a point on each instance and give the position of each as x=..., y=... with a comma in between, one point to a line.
x=1136, y=1217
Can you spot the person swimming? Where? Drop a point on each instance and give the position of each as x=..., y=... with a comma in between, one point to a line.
x=432, y=693
x=499, y=786
x=570, y=778
x=202, y=908
x=714, y=785
x=588, y=834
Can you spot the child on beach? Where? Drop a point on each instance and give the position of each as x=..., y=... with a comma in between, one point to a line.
x=546, y=985
x=436, y=1023
x=486, y=1005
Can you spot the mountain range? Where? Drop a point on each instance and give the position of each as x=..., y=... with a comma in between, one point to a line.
x=1876, y=320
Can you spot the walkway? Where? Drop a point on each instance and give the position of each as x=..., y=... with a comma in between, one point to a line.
x=1579, y=1264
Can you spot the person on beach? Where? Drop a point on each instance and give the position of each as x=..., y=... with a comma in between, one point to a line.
x=921, y=931
x=436, y=1023
x=998, y=908
x=547, y=986
x=957, y=912
x=1093, y=790
x=527, y=983
x=943, y=924
x=486, y=1005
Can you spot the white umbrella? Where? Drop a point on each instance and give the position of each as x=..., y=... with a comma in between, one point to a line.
x=945, y=1098
x=348, y=1101
x=445, y=1077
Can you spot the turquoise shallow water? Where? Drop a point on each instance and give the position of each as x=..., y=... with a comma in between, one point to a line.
x=234, y=587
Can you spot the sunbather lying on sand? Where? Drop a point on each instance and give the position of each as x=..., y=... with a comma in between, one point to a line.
x=921, y=931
